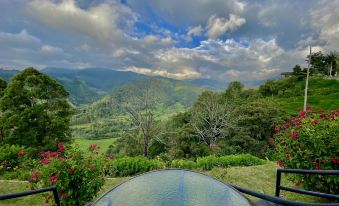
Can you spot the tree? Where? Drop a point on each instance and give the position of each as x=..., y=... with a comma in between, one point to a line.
x=331, y=60
x=3, y=85
x=210, y=117
x=36, y=112
x=140, y=106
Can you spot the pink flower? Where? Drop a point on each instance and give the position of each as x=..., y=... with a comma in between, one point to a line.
x=45, y=161
x=302, y=114
x=335, y=160
x=314, y=163
x=314, y=122
x=287, y=126
x=21, y=153
x=54, y=178
x=271, y=141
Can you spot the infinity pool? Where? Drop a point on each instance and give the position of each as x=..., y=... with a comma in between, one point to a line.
x=172, y=188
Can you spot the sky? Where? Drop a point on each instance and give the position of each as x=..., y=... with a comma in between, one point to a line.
x=182, y=39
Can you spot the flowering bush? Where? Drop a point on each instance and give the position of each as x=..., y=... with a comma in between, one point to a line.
x=10, y=157
x=77, y=176
x=310, y=141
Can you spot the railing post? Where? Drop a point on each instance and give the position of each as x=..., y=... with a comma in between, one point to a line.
x=277, y=184
x=56, y=196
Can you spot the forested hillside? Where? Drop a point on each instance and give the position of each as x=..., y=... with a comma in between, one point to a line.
x=107, y=117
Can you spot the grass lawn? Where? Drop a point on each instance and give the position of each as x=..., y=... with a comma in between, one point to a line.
x=259, y=178
x=102, y=143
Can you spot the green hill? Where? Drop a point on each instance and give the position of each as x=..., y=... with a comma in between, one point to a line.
x=289, y=93
x=107, y=117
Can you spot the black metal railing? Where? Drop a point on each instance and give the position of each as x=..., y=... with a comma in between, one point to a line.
x=278, y=186
x=33, y=192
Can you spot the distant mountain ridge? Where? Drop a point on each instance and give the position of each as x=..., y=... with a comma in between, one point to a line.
x=88, y=85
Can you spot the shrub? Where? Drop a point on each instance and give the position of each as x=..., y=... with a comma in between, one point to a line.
x=183, y=164
x=10, y=157
x=128, y=166
x=77, y=176
x=310, y=141
x=207, y=163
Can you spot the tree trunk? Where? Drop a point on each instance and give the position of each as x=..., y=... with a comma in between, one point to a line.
x=146, y=145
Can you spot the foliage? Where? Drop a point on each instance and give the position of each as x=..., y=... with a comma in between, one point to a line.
x=128, y=166
x=35, y=111
x=11, y=156
x=77, y=176
x=183, y=164
x=254, y=124
x=310, y=141
x=207, y=163
x=3, y=85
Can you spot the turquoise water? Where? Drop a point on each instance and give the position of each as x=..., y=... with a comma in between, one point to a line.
x=172, y=188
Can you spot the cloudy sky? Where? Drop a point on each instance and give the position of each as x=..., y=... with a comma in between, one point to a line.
x=182, y=39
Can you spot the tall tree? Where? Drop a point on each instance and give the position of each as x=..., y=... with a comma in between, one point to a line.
x=332, y=59
x=140, y=106
x=210, y=117
x=36, y=112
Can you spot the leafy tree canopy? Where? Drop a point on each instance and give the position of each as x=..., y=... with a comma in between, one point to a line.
x=35, y=111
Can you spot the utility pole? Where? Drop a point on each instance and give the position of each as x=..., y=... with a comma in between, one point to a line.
x=307, y=77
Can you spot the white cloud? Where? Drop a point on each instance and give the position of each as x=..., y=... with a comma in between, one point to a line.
x=50, y=49
x=196, y=31
x=185, y=73
x=98, y=21
x=21, y=39
x=217, y=26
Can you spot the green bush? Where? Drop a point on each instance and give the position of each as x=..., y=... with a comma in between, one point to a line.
x=183, y=164
x=10, y=157
x=128, y=166
x=77, y=175
x=207, y=163
x=310, y=141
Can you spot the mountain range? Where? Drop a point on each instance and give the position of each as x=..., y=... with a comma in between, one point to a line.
x=88, y=85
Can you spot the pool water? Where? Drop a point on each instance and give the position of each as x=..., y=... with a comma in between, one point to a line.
x=172, y=188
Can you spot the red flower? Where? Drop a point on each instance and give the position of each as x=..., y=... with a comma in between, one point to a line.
x=271, y=141
x=314, y=122
x=335, y=160
x=54, y=178
x=61, y=144
x=314, y=163
x=287, y=126
x=61, y=149
x=280, y=163
x=277, y=128
x=295, y=135
x=21, y=153
x=302, y=114
x=308, y=108
x=45, y=161
x=34, y=177
x=318, y=168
